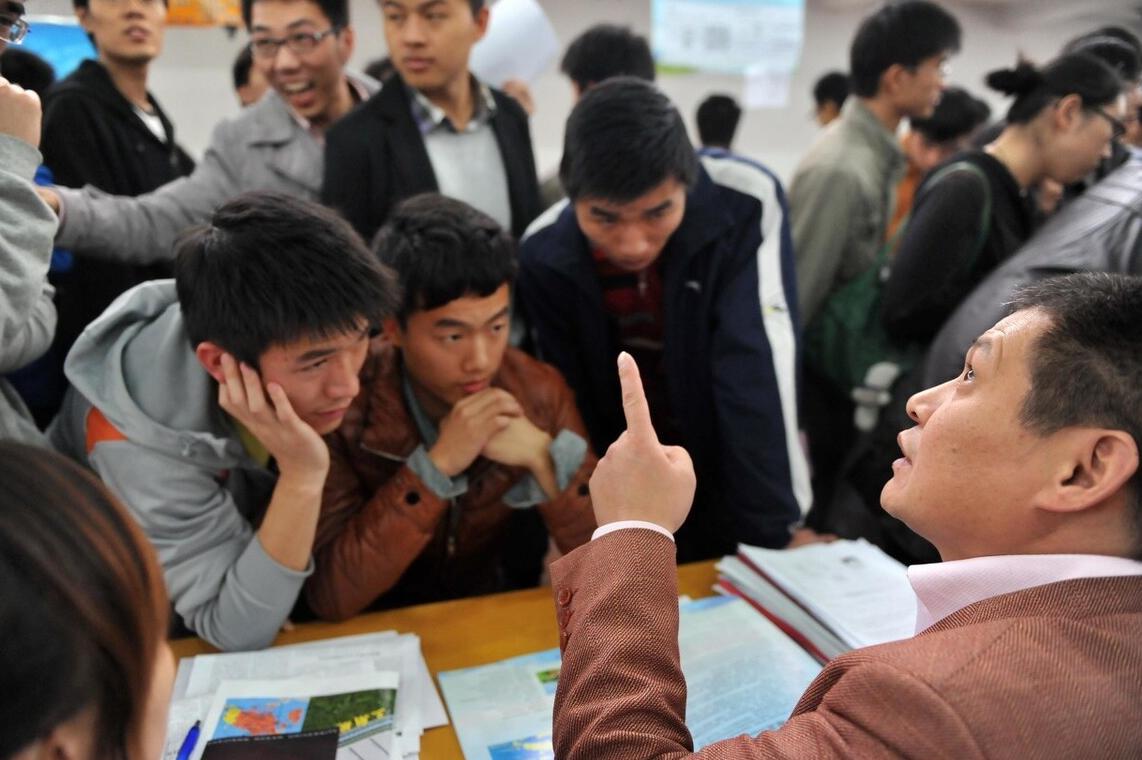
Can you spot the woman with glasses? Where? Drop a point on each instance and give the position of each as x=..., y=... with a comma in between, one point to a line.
x=84, y=662
x=973, y=211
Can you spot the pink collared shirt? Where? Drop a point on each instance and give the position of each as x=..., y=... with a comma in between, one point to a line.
x=943, y=588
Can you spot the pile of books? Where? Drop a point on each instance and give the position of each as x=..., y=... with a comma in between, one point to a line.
x=829, y=598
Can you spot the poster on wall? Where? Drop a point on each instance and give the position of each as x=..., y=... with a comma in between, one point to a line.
x=59, y=40
x=759, y=40
x=727, y=36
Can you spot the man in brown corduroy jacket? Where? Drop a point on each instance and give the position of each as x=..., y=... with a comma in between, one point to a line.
x=1023, y=471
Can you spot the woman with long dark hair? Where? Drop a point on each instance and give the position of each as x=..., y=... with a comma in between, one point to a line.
x=84, y=663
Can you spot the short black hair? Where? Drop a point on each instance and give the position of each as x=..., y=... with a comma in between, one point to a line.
x=958, y=114
x=241, y=68
x=1071, y=74
x=605, y=51
x=270, y=269
x=442, y=249
x=718, y=117
x=1086, y=367
x=905, y=33
x=337, y=11
x=1120, y=33
x=833, y=86
x=623, y=139
x=25, y=68
x=1124, y=58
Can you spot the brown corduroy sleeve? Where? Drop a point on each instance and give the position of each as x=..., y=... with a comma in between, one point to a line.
x=622, y=695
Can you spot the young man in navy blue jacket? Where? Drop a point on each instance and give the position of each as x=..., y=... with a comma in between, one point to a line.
x=667, y=256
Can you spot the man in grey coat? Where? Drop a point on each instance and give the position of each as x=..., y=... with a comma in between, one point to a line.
x=27, y=315
x=301, y=46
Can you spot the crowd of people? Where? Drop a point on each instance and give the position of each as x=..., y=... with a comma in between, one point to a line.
x=360, y=355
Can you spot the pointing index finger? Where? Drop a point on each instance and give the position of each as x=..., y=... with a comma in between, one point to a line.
x=635, y=407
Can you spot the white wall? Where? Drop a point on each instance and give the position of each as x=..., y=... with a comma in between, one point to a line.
x=192, y=79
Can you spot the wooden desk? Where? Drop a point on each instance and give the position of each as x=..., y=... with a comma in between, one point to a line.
x=464, y=633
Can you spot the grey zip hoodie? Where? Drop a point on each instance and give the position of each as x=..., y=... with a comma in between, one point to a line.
x=27, y=314
x=174, y=457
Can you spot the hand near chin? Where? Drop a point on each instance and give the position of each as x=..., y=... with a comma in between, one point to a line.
x=639, y=478
x=294, y=445
x=467, y=428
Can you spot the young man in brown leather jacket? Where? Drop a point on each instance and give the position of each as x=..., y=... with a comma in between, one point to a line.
x=454, y=437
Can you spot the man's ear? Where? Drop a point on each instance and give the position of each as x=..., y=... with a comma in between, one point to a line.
x=482, y=18
x=347, y=39
x=892, y=79
x=1096, y=464
x=210, y=357
x=82, y=15
x=390, y=329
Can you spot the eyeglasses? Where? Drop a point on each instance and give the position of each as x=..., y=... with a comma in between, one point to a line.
x=298, y=42
x=1118, y=129
x=13, y=30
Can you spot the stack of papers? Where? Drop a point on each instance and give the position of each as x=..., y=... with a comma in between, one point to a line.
x=830, y=598
x=743, y=676
x=361, y=697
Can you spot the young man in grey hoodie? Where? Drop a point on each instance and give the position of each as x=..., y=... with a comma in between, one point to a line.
x=201, y=402
x=27, y=315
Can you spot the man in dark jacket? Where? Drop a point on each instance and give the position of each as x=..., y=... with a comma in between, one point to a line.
x=670, y=259
x=434, y=128
x=103, y=128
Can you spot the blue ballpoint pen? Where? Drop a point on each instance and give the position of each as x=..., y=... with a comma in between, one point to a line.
x=187, y=748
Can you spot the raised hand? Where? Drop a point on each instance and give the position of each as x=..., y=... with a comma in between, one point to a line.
x=20, y=113
x=297, y=448
x=639, y=478
x=468, y=427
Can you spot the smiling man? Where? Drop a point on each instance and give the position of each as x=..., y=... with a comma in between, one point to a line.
x=1023, y=471
x=677, y=261
x=201, y=403
x=455, y=436
x=434, y=128
x=301, y=47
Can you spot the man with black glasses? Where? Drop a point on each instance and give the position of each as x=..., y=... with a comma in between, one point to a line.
x=301, y=46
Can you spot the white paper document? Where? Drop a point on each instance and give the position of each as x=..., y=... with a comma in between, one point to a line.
x=855, y=589
x=520, y=44
x=418, y=705
x=743, y=676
